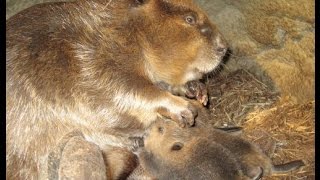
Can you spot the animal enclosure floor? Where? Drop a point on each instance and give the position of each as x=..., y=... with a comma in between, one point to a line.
x=283, y=130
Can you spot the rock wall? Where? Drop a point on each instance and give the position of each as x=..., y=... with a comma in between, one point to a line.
x=270, y=38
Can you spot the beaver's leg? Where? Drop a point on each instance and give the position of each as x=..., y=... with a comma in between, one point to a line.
x=192, y=89
x=144, y=100
x=76, y=158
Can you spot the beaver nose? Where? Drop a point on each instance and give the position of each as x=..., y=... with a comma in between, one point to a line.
x=221, y=45
x=222, y=50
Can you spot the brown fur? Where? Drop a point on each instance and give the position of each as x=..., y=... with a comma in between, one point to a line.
x=254, y=163
x=199, y=157
x=92, y=65
x=76, y=158
x=120, y=162
x=207, y=146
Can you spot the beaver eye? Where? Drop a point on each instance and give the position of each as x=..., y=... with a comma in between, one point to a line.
x=160, y=129
x=190, y=19
x=177, y=146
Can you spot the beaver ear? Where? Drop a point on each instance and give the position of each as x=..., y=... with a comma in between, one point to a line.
x=177, y=146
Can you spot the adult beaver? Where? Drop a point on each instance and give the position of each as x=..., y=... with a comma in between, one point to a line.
x=93, y=65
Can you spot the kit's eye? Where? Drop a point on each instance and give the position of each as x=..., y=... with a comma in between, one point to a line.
x=177, y=146
x=190, y=19
x=160, y=130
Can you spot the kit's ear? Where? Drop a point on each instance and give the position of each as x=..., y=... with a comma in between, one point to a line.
x=177, y=146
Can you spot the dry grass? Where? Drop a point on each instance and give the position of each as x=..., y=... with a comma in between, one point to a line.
x=234, y=95
x=291, y=127
x=284, y=131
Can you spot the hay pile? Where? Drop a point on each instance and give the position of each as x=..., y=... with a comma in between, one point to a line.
x=234, y=95
x=284, y=130
x=291, y=128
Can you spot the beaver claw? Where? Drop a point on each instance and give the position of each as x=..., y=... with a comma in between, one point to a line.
x=198, y=90
x=137, y=142
x=182, y=115
x=188, y=116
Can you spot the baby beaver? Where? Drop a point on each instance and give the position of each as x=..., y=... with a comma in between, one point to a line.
x=171, y=152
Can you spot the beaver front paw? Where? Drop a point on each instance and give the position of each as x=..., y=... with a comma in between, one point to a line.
x=136, y=143
x=181, y=111
x=198, y=90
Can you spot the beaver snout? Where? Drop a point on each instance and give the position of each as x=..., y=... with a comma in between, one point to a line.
x=221, y=45
x=221, y=51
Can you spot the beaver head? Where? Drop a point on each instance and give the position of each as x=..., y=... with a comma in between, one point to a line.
x=181, y=43
x=168, y=41
x=170, y=152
